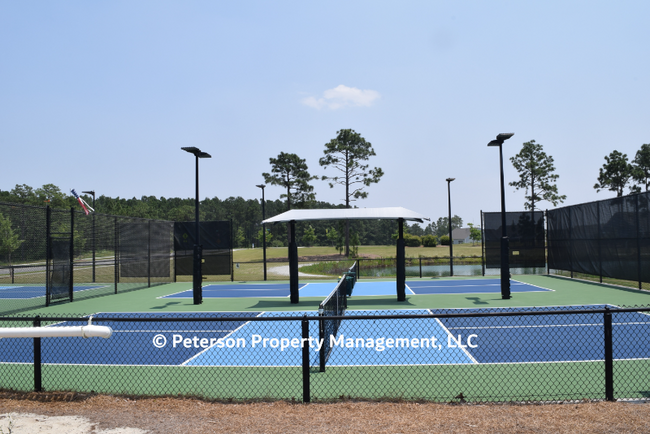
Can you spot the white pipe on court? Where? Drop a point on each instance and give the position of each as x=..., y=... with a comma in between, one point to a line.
x=87, y=331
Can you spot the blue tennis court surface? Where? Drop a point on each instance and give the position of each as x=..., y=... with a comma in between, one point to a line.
x=470, y=286
x=361, y=289
x=372, y=342
x=34, y=291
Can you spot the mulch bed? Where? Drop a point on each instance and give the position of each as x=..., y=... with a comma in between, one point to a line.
x=170, y=415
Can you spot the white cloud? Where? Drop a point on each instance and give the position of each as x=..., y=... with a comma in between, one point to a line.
x=343, y=96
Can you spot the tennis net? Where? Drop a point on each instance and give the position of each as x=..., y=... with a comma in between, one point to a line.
x=334, y=305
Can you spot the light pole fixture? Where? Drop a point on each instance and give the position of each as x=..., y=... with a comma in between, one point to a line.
x=197, y=279
x=451, y=239
x=505, y=247
x=92, y=192
x=263, y=229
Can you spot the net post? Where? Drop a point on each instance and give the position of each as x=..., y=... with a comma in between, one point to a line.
x=38, y=383
x=358, y=268
x=609, y=357
x=306, y=395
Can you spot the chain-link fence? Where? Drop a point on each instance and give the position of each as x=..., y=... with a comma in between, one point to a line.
x=54, y=255
x=497, y=354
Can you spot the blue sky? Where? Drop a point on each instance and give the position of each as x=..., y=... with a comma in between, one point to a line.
x=102, y=95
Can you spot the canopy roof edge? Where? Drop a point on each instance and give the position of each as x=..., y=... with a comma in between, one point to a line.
x=389, y=213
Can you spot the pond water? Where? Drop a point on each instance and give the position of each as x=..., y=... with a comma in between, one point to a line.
x=443, y=270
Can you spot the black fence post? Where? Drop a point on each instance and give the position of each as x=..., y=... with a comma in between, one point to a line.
x=570, y=242
x=306, y=395
x=149, y=254
x=38, y=386
x=638, y=241
x=547, y=249
x=48, y=252
x=400, y=262
x=609, y=357
x=482, y=245
x=116, y=254
x=71, y=284
x=420, y=267
x=600, y=256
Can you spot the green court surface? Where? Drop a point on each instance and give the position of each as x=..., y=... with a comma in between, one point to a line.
x=564, y=292
x=536, y=381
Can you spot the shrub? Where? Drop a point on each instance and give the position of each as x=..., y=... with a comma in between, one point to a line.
x=444, y=240
x=429, y=241
x=412, y=240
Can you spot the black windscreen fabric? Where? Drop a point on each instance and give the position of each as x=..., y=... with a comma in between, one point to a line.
x=145, y=248
x=161, y=249
x=215, y=237
x=525, y=231
x=610, y=238
x=134, y=249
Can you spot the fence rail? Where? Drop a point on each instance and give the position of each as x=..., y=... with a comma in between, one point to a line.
x=497, y=354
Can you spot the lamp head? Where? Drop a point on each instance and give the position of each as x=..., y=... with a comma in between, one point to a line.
x=196, y=152
x=500, y=139
x=449, y=179
x=505, y=136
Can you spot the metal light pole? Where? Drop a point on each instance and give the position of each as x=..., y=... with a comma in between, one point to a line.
x=94, y=245
x=505, y=247
x=198, y=254
x=451, y=240
x=263, y=229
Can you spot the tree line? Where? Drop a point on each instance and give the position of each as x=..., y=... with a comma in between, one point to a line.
x=245, y=214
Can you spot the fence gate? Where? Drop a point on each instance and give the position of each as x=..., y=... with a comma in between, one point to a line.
x=59, y=286
x=60, y=255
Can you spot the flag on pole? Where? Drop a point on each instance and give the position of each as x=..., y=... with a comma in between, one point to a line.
x=82, y=202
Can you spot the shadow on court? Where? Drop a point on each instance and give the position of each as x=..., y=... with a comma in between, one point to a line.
x=166, y=305
x=477, y=300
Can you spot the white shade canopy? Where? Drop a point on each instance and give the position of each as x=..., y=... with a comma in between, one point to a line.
x=390, y=213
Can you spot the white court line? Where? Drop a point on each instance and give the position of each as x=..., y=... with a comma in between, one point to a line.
x=546, y=326
x=452, y=336
x=229, y=334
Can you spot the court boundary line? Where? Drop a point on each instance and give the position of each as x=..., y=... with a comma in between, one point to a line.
x=190, y=289
x=329, y=366
x=225, y=337
x=455, y=340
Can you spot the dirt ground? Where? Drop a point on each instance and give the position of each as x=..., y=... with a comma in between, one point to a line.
x=103, y=414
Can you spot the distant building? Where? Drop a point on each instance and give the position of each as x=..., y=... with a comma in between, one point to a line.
x=461, y=235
